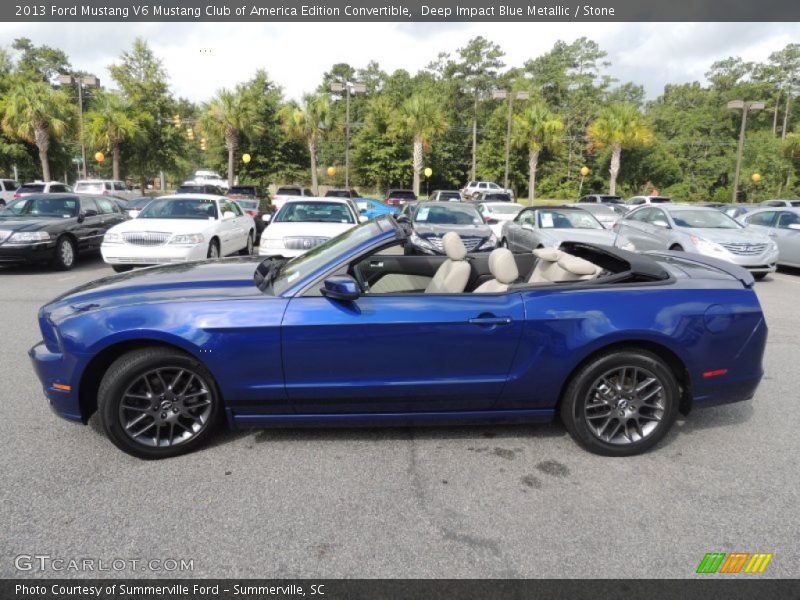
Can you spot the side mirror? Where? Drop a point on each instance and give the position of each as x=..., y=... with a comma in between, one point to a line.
x=795, y=226
x=228, y=214
x=86, y=213
x=363, y=219
x=660, y=223
x=341, y=287
x=133, y=214
x=492, y=222
x=362, y=210
x=266, y=218
x=527, y=226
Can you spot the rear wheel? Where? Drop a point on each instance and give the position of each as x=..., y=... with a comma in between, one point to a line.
x=66, y=251
x=157, y=403
x=676, y=248
x=621, y=403
x=248, y=249
x=759, y=276
x=121, y=268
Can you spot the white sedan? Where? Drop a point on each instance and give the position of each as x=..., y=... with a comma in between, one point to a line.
x=175, y=229
x=497, y=213
x=304, y=223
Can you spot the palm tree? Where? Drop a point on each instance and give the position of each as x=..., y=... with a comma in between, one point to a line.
x=421, y=117
x=228, y=115
x=109, y=123
x=37, y=114
x=308, y=122
x=618, y=125
x=536, y=129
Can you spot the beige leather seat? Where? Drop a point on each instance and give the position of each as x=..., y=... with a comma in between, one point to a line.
x=453, y=274
x=504, y=269
x=555, y=266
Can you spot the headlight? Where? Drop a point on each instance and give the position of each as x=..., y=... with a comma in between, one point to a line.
x=187, y=239
x=27, y=237
x=112, y=237
x=706, y=246
x=272, y=243
x=489, y=244
x=421, y=242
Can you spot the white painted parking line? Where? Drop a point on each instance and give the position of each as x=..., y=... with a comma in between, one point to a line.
x=786, y=278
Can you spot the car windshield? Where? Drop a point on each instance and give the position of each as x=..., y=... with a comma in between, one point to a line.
x=498, y=196
x=567, y=219
x=407, y=194
x=244, y=190
x=286, y=191
x=190, y=208
x=248, y=204
x=600, y=210
x=31, y=188
x=449, y=196
x=13, y=208
x=306, y=264
x=703, y=219
x=337, y=194
x=611, y=199
x=137, y=203
x=93, y=187
x=314, y=212
x=46, y=206
x=504, y=209
x=659, y=200
x=447, y=215
x=191, y=189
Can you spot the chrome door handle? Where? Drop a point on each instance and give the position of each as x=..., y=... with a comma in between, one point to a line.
x=375, y=264
x=490, y=321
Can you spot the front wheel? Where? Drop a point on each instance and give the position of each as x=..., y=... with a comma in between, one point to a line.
x=121, y=268
x=64, y=258
x=759, y=276
x=621, y=403
x=157, y=403
x=248, y=249
x=213, y=249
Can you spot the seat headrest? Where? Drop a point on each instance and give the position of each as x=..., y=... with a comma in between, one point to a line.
x=549, y=254
x=503, y=266
x=453, y=246
x=577, y=266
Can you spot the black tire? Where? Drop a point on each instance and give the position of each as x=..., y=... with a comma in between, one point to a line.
x=129, y=369
x=248, y=249
x=66, y=253
x=121, y=268
x=583, y=395
x=213, y=249
x=676, y=248
x=759, y=276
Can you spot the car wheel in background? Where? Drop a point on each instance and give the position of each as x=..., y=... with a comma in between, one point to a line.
x=248, y=249
x=213, y=249
x=676, y=248
x=66, y=252
x=121, y=268
x=157, y=403
x=621, y=403
x=759, y=276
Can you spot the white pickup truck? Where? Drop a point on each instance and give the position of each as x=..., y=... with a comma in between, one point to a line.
x=7, y=189
x=288, y=192
x=475, y=187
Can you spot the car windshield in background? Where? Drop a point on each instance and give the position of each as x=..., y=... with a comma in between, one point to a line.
x=90, y=188
x=599, y=209
x=402, y=194
x=247, y=204
x=137, y=203
x=12, y=208
x=659, y=200
x=305, y=264
x=449, y=196
x=703, y=219
x=31, y=189
x=447, y=215
x=611, y=199
x=337, y=194
x=48, y=207
x=504, y=209
x=242, y=190
x=568, y=219
x=190, y=208
x=191, y=189
x=314, y=212
x=288, y=192
x=498, y=196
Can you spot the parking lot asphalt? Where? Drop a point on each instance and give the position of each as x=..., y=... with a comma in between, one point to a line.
x=472, y=502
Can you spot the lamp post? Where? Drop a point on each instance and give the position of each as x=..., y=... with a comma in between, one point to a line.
x=501, y=95
x=90, y=81
x=349, y=88
x=745, y=107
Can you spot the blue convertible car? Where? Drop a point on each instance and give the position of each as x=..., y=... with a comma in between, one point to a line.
x=356, y=333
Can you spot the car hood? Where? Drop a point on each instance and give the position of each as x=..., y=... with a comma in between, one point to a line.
x=591, y=236
x=22, y=224
x=305, y=229
x=425, y=231
x=172, y=226
x=202, y=280
x=728, y=236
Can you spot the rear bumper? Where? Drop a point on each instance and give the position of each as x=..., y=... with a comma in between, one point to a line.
x=53, y=369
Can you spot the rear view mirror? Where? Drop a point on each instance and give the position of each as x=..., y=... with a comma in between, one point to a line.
x=341, y=287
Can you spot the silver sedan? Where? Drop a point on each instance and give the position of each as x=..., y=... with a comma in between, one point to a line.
x=550, y=226
x=783, y=226
x=702, y=230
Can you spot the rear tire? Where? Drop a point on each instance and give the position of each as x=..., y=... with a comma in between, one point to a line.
x=65, y=255
x=121, y=268
x=759, y=276
x=248, y=249
x=158, y=403
x=676, y=248
x=621, y=403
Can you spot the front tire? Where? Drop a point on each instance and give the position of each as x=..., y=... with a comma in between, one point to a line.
x=248, y=249
x=621, y=403
x=213, y=249
x=66, y=251
x=121, y=268
x=158, y=403
x=759, y=276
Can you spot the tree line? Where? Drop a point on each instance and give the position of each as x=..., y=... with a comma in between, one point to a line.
x=562, y=110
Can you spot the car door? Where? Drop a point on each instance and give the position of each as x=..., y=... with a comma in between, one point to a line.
x=787, y=236
x=243, y=225
x=762, y=221
x=227, y=229
x=632, y=227
x=110, y=215
x=399, y=353
x=514, y=229
x=89, y=229
x=655, y=230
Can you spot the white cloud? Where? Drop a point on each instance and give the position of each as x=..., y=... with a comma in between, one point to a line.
x=297, y=54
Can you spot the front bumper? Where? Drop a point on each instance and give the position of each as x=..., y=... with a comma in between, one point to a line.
x=284, y=252
x=22, y=253
x=765, y=262
x=128, y=254
x=56, y=369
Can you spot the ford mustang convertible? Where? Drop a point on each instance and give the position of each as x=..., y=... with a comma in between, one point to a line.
x=354, y=332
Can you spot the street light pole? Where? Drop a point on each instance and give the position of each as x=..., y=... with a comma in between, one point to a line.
x=88, y=81
x=499, y=95
x=348, y=87
x=745, y=107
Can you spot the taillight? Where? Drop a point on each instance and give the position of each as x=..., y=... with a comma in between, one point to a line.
x=105, y=192
x=615, y=227
x=17, y=195
x=486, y=218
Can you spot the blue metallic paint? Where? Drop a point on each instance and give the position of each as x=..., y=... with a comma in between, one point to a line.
x=298, y=359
